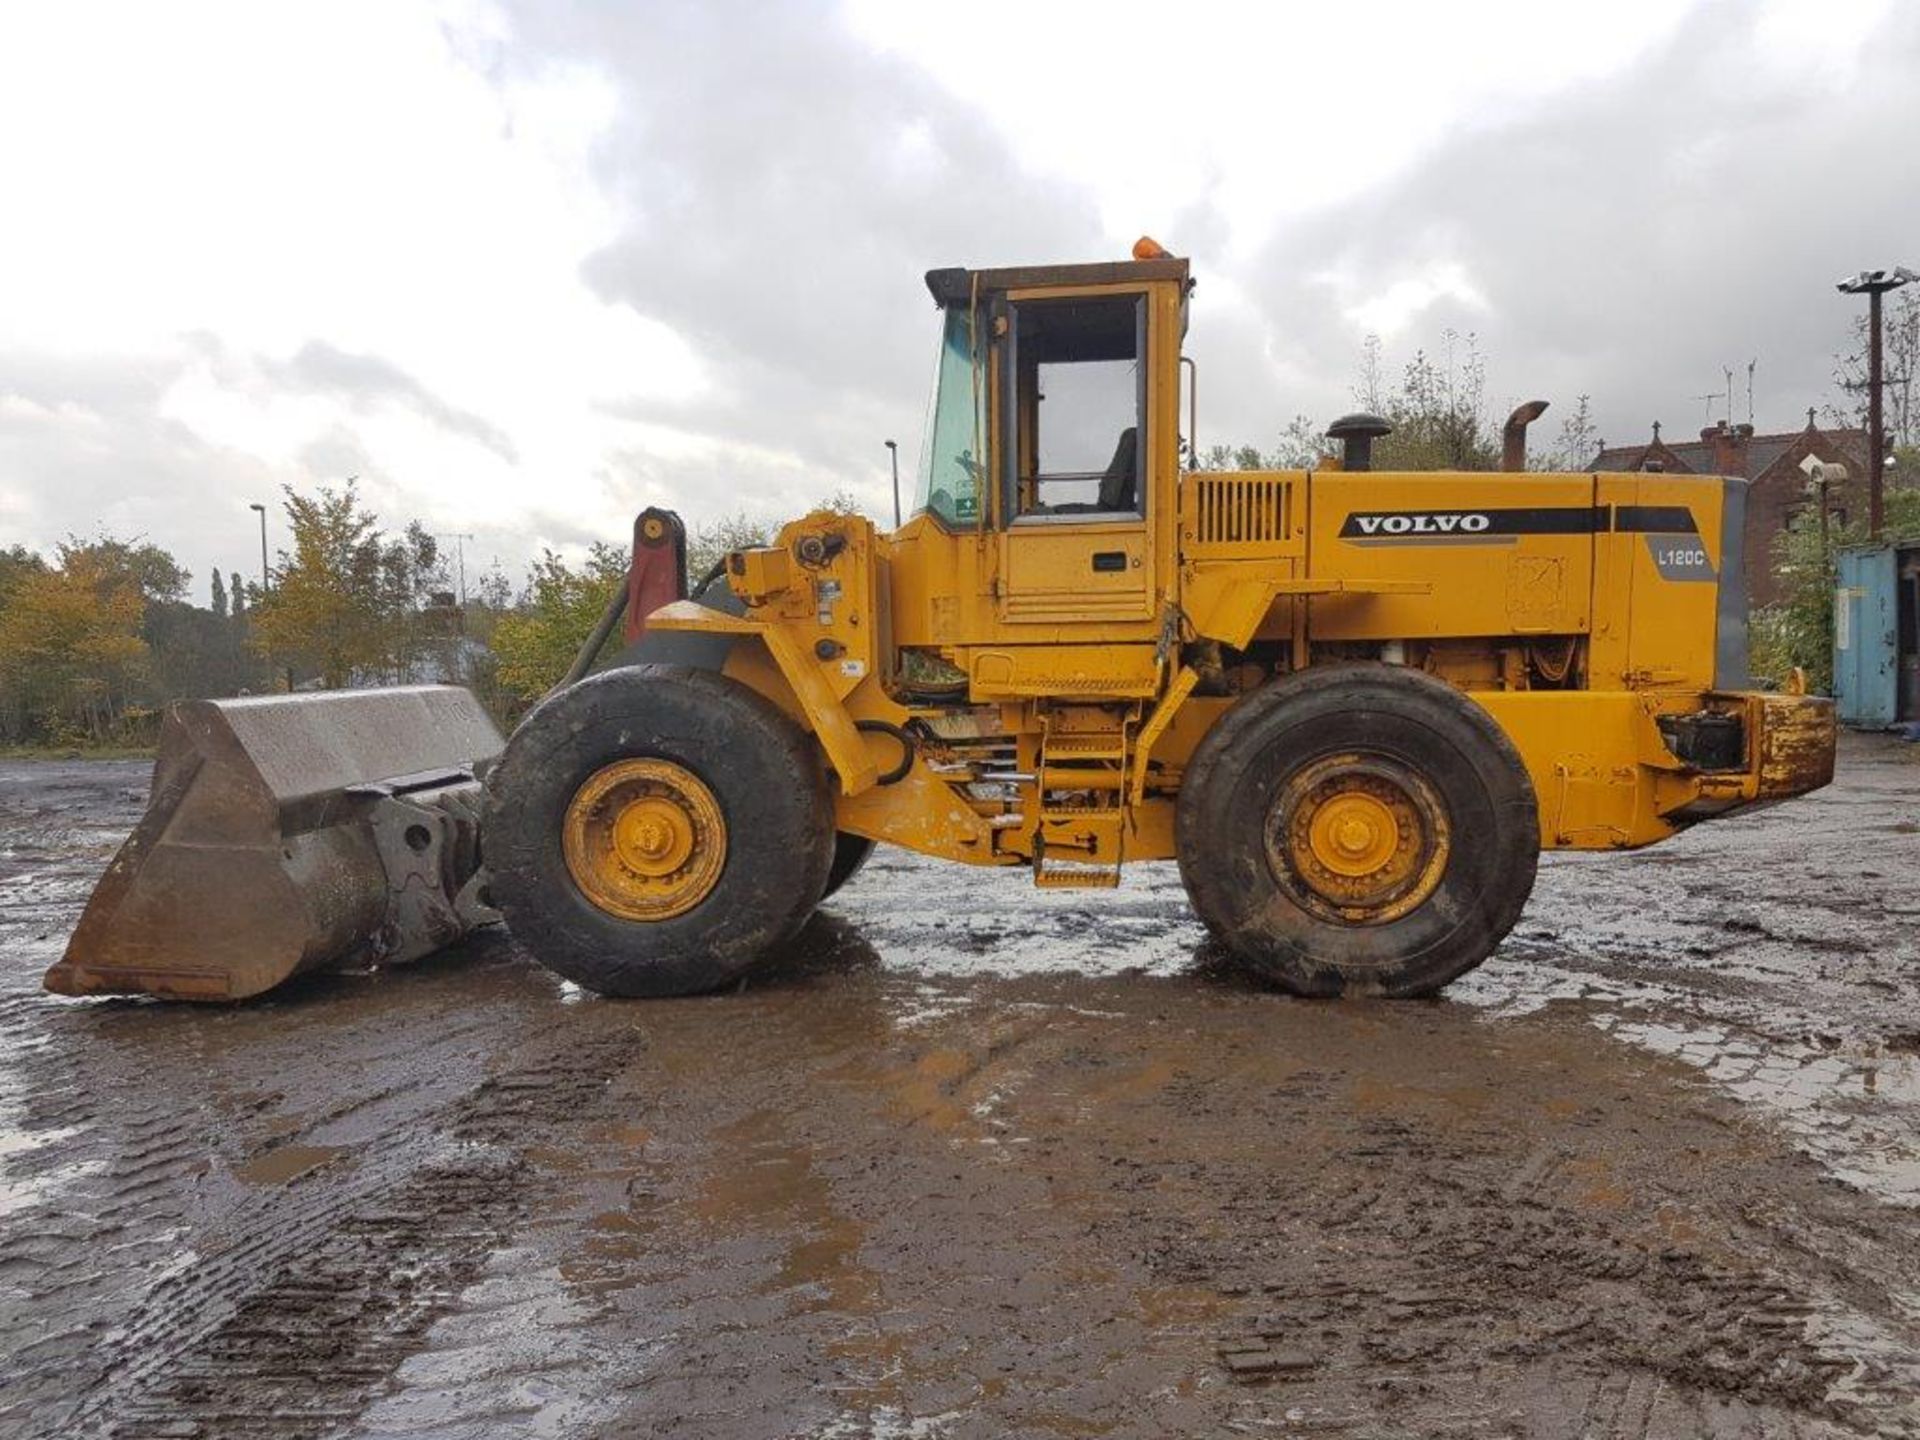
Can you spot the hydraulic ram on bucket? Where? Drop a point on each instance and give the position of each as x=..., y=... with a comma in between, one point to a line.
x=292, y=833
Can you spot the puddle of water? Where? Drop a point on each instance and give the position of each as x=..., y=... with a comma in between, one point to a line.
x=286, y=1162
x=761, y=1180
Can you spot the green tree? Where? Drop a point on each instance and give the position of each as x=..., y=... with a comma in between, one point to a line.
x=1900, y=355
x=1438, y=409
x=1797, y=629
x=492, y=590
x=536, y=643
x=710, y=540
x=1300, y=447
x=1576, y=445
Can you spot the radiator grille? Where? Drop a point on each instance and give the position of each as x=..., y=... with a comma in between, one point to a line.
x=1240, y=509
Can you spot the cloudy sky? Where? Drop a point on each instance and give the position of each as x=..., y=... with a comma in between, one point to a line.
x=526, y=268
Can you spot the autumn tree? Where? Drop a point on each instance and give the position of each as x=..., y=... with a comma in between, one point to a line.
x=16, y=561
x=323, y=610
x=71, y=655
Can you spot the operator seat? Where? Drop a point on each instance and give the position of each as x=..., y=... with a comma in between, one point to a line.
x=1120, y=486
x=1119, y=483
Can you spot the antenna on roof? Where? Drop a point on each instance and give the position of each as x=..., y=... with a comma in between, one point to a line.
x=1727, y=370
x=1708, y=398
x=1750, y=366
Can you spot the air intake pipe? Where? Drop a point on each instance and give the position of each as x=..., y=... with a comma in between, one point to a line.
x=1356, y=434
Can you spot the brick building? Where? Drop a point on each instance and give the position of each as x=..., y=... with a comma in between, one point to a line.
x=1773, y=464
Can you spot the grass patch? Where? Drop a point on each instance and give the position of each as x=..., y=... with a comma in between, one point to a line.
x=70, y=752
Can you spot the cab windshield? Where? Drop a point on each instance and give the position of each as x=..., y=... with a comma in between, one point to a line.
x=952, y=462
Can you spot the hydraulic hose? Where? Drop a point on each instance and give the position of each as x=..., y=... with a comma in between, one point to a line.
x=610, y=617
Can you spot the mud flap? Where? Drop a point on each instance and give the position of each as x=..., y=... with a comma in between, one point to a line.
x=287, y=834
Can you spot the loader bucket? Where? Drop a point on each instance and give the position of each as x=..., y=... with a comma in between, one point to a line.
x=291, y=833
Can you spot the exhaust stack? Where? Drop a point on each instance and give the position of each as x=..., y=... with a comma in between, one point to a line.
x=1513, y=439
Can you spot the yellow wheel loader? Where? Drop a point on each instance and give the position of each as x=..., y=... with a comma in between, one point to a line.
x=1352, y=705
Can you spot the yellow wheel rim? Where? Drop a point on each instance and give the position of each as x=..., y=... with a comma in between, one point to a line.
x=645, y=839
x=1359, y=839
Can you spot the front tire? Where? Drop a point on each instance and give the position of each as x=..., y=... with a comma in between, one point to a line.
x=1358, y=829
x=850, y=853
x=657, y=830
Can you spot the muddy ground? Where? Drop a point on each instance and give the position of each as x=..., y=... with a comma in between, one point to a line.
x=982, y=1161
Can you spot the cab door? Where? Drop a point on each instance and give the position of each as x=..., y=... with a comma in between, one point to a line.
x=1075, y=457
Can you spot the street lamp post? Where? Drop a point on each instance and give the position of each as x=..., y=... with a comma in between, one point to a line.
x=261, y=510
x=1873, y=284
x=893, y=452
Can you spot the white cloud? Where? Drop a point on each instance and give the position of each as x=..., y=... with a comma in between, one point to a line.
x=347, y=174
x=1388, y=312
x=526, y=269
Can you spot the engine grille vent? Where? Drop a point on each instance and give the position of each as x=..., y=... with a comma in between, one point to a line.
x=1240, y=509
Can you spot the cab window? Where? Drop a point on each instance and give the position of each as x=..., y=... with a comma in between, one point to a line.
x=952, y=464
x=1075, y=434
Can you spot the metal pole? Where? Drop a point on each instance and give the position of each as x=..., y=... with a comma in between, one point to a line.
x=262, y=510
x=460, y=538
x=1876, y=443
x=893, y=453
x=1873, y=284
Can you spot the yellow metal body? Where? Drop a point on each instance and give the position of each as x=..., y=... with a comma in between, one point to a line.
x=1059, y=672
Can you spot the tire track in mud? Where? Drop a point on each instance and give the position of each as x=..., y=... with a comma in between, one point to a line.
x=150, y=1291
x=330, y=1280
x=1527, y=1281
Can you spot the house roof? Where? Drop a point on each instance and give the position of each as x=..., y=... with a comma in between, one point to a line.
x=1695, y=457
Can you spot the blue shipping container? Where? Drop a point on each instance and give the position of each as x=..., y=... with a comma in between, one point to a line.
x=1871, y=609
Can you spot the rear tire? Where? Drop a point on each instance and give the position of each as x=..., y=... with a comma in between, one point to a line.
x=755, y=830
x=1358, y=829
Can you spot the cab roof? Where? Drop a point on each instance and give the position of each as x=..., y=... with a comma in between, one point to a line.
x=953, y=286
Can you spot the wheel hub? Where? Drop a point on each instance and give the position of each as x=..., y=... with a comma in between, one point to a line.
x=644, y=839
x=1358, y=838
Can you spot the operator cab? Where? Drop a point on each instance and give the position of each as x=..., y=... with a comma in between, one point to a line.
x=1052, y=435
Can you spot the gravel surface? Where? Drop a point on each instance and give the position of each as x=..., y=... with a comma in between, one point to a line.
x=978, y=1160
